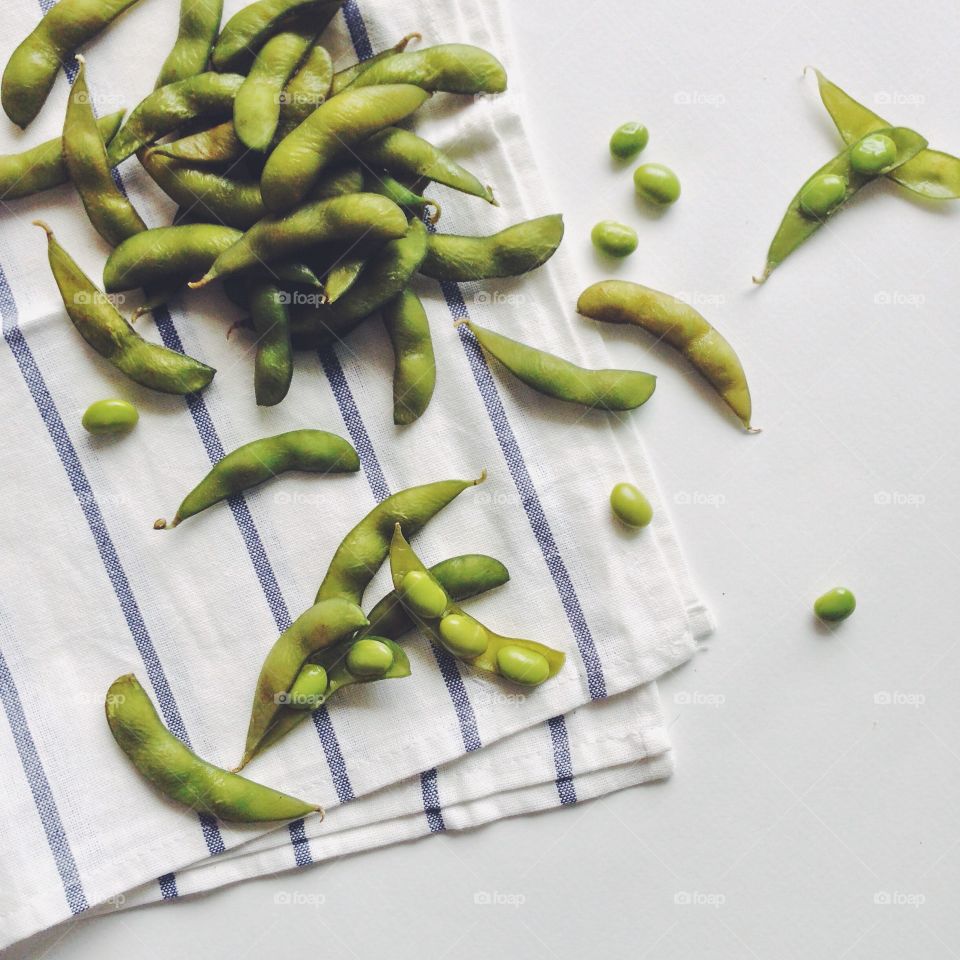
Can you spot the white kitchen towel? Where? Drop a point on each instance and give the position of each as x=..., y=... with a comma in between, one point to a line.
x=192, y=611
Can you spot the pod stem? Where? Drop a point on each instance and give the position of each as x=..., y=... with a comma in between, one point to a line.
x=45, y=227
x=481, y=478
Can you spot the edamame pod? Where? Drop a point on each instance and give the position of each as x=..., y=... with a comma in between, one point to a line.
x=365, y=547
x=199, y=24
x=325, y=624
x=349, y=217
x=803, y=217
x=405, y=154
x=44, y=167
x=415, y=369
x=217, y=146
x=256, y=462
x=166, y=252
x=509, y=253
x=556, y=377
x=342, y=276
x=522, y=661
x=100, y=324
x=679, y=325
x=446, y=68
x=113, y=216
x=306, y=90
x=33, y=66
x=179, y=774
x=247, y=31
x=273, y=366
x=163, y=111
x=931, y=173
x=328, y=133
x=343, y=78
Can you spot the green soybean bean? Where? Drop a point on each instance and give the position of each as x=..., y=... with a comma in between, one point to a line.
x=309, y=690
x=391, y=188
x=343, y=78
x=166, y=252
x=555, y=377
x=247, y=31
x=113, y=216
x=179, y=774
x=931, y=173
x=526, y=667
x=33, y=66
x=273, y=367
x=404, y=562
x=44, y=167
x=820, y=198
x=509, y=253
x=329, y=133
x=405, y=154
x=306, y=90
x=207, y=95
x=415, y=366
x=366, y=546
x=462, y=635
x=256, y=109
x=218, y=146
x=369, y=659
x=349, y=217
x=108, y=417
x=628, y=140
x=614, y=239
x=873, y=154
x=446, y=68
x=630, y=505
x=324, y=625
x=199, y=25
x=315, y=451
x=656, y=183
x=835, y=605
x=680, y=326
x=100, y=324
x=422, y=595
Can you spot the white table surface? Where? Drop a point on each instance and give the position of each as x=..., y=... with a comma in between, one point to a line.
x=813, y=813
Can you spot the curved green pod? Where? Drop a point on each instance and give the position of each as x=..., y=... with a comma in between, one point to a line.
x=446, y=68
x=216, y=146
x=343, y=78
x=100, y=324
x=306, y=90
x=206, y=95
x=555, y=377
x=415, y=366
x=44, y=166
x=32, y=68
x=164, y=253
x=679, y=325
x=199, y=25
x=179, y=774
x=509, y=253
x=328, y=134
x=273, y=366
x=315, y=451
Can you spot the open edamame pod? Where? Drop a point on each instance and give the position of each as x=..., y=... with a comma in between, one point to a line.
x=445, y=68
x=350, y=217
x=509, y=253
x=828, y=190
x=44, y=166
x=931, y=173
x=256, y=462
x=113, y=216
x=33, y=66
x=679, y=325
x=100, y=324
x=179, y=774
x=331, y=131
x=415, y=366
x=556, y=377
x=167, y=108
x=199, y=24
x=325, y=624
x=521, y=661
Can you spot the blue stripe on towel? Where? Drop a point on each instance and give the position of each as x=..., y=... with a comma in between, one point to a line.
x=431, y=801
x=561, y=759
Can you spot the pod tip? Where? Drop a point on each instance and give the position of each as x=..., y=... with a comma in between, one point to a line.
x=202, y=282
x=43, y=226
x=753, y=429
x=160, y=524
x=481, y=478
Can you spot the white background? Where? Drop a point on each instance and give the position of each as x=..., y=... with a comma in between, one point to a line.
x=808, y=817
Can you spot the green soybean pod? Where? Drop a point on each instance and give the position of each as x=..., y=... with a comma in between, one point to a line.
x=415, y=367
x=509, y=253
x=33, y=66
x=329, y=133
x=614, y=239
x=179, y=774
x=273, y=367
x=113, y=216
x=342, y=276
x=343, y=78
x=199, y=25
x=306, y=90
x=555, y=377
x=109, y=417
x=656, y=183
x=217, y=146
x=630, y=505
x=835, y=605
x=628, y=140
x=316, y=451
x=44, y=166
x=446, y=68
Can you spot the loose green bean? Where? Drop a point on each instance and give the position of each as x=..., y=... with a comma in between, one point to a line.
x=835, y=605
x=110, y=417
x=446, y=68
x=630, y=505
x=415, y=370
x=199, y=25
